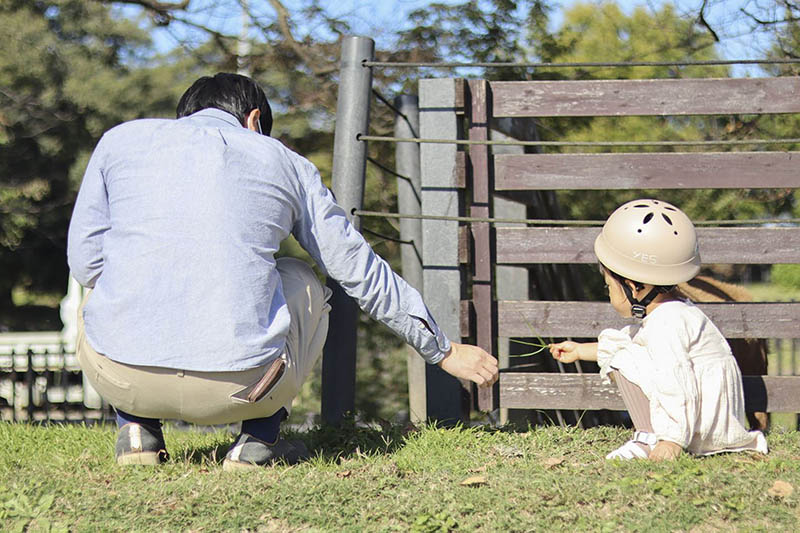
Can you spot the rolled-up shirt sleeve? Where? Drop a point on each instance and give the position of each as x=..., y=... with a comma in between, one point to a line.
x=89, y=223
x=341, y=251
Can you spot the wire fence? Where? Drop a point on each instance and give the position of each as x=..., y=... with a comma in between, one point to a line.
x=563, y=222
x=587, y=64
x=539, y=143
x=604, y=144
x=783, y=359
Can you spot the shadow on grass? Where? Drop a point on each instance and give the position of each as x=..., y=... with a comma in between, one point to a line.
x=195, y=453
x=353, y=437
x=350, y=438
x=213, y=454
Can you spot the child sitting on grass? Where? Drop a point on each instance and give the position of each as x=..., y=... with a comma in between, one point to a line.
x=674, y=370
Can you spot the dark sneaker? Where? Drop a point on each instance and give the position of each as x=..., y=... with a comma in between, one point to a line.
x=137, y=445
x=249, y=452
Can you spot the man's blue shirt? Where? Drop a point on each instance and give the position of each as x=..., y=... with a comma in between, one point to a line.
x=175, y=228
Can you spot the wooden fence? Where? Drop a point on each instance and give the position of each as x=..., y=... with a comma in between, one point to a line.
x=454, y=108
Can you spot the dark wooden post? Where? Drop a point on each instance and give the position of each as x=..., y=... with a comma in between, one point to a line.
x=479, y=173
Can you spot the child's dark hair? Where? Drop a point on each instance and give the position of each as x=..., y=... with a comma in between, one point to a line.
x=659, y=288
x=233, y=93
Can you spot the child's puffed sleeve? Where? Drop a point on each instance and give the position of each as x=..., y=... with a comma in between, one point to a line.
x=616, y=349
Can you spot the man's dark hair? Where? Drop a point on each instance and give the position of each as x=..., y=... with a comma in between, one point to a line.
x=232, y=93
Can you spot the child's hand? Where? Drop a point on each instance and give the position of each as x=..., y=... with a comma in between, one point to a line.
x=566, y=352
x=665, y=450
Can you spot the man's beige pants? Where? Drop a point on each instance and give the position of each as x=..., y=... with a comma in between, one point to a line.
x=208, y=397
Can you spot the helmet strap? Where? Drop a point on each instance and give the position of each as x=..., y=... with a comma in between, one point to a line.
x=638, y=307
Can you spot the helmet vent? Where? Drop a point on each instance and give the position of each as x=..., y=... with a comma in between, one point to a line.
x=647, y=218
x=641, y=205
x=667, y=219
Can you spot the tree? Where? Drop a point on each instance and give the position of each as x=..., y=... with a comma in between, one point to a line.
x=69, y=70
x=773, y=21
x=592, y=33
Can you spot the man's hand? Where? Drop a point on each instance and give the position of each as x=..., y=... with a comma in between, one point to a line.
x=665, y=450
x=465, y=361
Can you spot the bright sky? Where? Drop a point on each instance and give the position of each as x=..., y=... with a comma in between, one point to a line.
x=381, y=19
x=723, y=15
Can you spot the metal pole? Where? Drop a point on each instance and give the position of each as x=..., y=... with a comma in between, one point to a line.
x=349, y=168
x=409, y=187
x=409, y=201
x=352, y=120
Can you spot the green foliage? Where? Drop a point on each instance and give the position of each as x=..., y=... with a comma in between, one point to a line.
x=592, y=33
x=68, y=72
x=473, y=31
x=439, y=522
x=602, y=33
x=781, y=22
x=22, y=514
x=787, y=276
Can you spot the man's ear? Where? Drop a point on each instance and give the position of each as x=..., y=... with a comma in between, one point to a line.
x=252, y=122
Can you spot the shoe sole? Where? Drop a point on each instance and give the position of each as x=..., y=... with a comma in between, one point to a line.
x=232, y=466
x=140, y=458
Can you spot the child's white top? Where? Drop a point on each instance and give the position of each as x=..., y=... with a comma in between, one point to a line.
x=685, y=368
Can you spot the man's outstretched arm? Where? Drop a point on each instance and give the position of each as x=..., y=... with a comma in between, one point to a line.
x=325, y=232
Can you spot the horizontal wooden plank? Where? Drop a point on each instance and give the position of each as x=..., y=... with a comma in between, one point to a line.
x=535, y=390
x=724, y=245
x=528, y=390
x=772, y=394
x=709, y=96
x=588, y=319
x=708, y=170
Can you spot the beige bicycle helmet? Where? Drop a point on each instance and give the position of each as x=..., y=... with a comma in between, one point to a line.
x=648, y=241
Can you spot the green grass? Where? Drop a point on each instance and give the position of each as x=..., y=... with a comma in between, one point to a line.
x=373, y=479
x=780, y=362
x=771, y=292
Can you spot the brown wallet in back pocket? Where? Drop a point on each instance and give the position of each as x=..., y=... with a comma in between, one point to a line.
x=265, y=384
